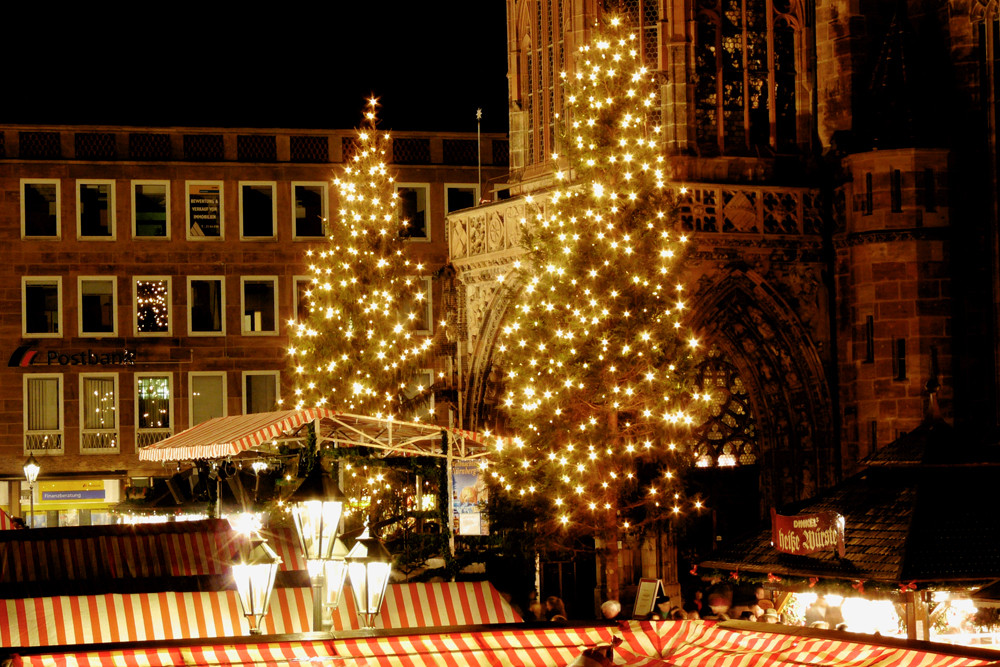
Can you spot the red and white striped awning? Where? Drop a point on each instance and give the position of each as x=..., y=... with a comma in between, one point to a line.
x=657, y=643
x=428, y=605
x=224, y=437
x=95, y=619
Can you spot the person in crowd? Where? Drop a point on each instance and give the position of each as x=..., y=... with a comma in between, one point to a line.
x=555, y=610
x=677, y=614
x=691, y=611
x=535, y=612
x=770, y=616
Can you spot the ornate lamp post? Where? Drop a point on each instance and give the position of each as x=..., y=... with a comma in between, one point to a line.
x=368, y=565
x=317, y=505
x=254, y=571
x=31, y=470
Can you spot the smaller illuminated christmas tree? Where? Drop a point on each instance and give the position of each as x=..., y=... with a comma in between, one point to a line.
x=358, y=349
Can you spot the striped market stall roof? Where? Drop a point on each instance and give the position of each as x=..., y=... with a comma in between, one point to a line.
x=96, y=553
x=91, y=619
x=428, y=605
x=659, y=643
x=229, y=436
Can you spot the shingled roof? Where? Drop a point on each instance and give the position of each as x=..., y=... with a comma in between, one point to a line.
x=923, y=510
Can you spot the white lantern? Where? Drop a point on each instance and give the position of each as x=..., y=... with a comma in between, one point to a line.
x=254, y=571
x=335, y=571
x=317, y=505
x=368, y=566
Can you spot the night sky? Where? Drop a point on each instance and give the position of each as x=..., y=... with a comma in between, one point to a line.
x=432, y=64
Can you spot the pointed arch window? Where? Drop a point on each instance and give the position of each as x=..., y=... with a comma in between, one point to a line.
x=745, y=69
x=728, y=437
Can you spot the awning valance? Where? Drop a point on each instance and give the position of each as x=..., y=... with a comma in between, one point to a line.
x=225, y=437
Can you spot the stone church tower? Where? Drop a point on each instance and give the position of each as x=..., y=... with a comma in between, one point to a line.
x=835, y=161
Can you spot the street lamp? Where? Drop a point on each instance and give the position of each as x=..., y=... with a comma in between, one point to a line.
x=31, y=470
x=317, y=505
x=254, y=571
x=335, y=573
x=368, y=565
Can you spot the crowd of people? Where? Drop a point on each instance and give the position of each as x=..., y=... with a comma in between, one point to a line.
x=718, y=602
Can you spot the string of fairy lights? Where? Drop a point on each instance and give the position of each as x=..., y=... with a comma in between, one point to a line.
x=596, y=351
x=358, y=349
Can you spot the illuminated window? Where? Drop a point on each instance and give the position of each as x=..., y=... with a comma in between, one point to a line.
x=418, y=388
x=41, y=305
x=206, y=306
x=260, y=305
x=260, y=391
x=151, y=209
x=742, y=103
x=729, y=436
x=40, y=208
x=204, y=210
x=207, y=397
x=95, y=209
x=258, y=210
x=413, y=211
x=43, y=403
x=98, y=306
x=99, y=413
x=458, y=197
x=309, y=210
x=154, y=409
x=152, y=305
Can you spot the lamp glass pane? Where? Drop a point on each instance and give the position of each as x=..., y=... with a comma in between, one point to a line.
x=317, y=523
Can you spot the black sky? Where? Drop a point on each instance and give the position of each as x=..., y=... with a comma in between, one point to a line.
x=432, y=64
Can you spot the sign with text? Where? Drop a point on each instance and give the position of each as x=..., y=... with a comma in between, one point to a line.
x=470, y=495
x=807, y=533
x=204, y=210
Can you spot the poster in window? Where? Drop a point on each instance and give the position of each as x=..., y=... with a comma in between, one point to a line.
x=204, y=210
x=469, y=499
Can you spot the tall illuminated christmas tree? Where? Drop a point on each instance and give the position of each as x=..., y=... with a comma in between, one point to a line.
x=357, y=349
x=597, y=358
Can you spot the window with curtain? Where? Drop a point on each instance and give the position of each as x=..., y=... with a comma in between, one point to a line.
x=43, y=413
x=99, y=405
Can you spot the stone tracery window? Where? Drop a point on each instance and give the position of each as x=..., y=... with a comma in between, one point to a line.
x=728, y=437
x=745, y=74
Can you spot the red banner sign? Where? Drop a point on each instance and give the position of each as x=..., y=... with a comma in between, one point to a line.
x=807, y=533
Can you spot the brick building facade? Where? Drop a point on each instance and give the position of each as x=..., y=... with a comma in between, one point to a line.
x=148, y=274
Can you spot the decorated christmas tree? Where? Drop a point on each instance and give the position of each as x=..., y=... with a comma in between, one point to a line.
x=357, y=349
x=598, y=361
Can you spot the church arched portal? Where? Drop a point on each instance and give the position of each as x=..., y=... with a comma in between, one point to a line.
x=761, y=349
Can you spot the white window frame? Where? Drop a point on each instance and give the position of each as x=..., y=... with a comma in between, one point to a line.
x=135, y=306
x=461, y=186
x=274, y=209
x=41, y=280
x=114, y=306
x=190, y=305
x=166, y=237
x=112, y=209
x=427, y=210
x=225, y=393
x=114, y=433
x=40, y=436
x=296, y=281
x=148, y=436
x=222, y=210
x=243, y=386
x=325, y=215
x=243, y=297
x=42, y=181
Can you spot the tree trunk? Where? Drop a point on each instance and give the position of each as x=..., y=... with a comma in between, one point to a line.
x=609, y=556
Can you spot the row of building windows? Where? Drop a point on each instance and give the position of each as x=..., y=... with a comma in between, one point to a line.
x=153, y=394
x=152, y=298
x=96, y=217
